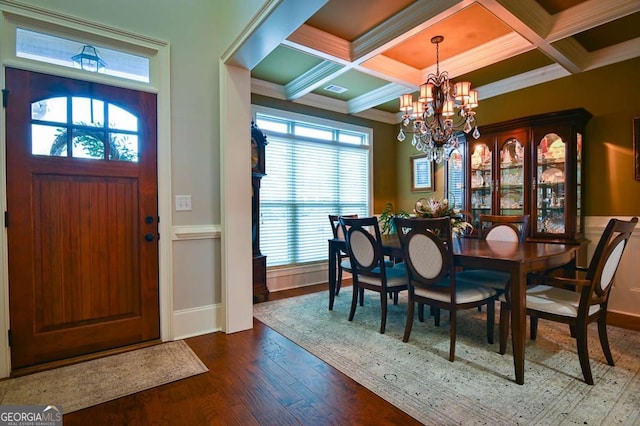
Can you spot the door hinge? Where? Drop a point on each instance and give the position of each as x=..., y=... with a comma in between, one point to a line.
x=5, y=96
x=9, y=337
x=6, y=219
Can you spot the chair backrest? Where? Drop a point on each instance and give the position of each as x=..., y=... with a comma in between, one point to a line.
x=504, y=227
x=428, y=249
x=335, y=224
x=607, y=255
x=364, y=245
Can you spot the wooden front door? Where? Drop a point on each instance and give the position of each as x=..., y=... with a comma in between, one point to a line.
x=82, y=220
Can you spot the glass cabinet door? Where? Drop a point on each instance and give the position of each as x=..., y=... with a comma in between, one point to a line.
x=551, y=184
x=481, y=181
x=511, y=178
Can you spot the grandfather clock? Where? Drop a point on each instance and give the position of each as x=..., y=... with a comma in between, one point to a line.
x=258, y=143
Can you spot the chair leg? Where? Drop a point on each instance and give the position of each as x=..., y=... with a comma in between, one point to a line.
x=339, y=280
x=409, y=323
x=604, y=339
x=491, y=320
x=436, y=317
x=583, y=352
x=452, y=334
x=421, y=312
x=361, y=294
x=395, y=297
x=354, y=301
x=383, y=308
x=504, y=327
x=534, y=327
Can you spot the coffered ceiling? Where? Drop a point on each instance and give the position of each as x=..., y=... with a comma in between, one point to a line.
x=380, y=49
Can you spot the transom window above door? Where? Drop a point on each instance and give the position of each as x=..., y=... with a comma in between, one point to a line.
x=82, y=127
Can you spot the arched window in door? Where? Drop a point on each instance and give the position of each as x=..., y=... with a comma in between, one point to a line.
x=82, y=127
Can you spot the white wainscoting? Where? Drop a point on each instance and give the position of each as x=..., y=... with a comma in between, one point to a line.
x=625, y=295
x=196, y=320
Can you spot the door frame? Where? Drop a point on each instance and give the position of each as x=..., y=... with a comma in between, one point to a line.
x=159, y=84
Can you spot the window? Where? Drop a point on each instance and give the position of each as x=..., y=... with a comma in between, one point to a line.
x=60, y=51
x=455, y=176
x=314, y=168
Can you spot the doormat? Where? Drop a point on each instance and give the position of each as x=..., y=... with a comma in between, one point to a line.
x=89, y=383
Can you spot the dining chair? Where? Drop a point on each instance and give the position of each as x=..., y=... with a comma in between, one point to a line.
x=511, y=228
x=368, y=267
x=577, y=301
x=343, y=258
x=433, y=280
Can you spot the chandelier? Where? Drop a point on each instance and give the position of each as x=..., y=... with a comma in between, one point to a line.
x=432, y=119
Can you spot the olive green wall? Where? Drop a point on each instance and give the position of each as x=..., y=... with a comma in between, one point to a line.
x=611, y=94
x=384, y=148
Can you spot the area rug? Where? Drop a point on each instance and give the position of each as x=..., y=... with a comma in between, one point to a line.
x=83, y=385
x=479, y=387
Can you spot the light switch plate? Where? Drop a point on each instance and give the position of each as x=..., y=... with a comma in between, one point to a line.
x=183, y=203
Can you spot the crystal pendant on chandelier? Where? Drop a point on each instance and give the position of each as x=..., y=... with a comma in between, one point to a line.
x=401, y=135
x=432, y=119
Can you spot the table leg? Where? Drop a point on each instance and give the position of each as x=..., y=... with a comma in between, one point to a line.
x=333, y=259
x=518, y=321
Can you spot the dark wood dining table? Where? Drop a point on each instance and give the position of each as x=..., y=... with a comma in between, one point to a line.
x=471, y=253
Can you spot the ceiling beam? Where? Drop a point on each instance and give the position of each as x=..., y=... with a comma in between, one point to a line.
x=312, y=79
x=275, y=20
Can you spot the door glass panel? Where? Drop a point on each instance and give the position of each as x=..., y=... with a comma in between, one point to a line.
x=88, y=112
x=87, y=124
x=124, y=147
x=48, y=140
x=52, y=109
x=121, y=119
x=511, y=178
x=88, y=144
x=480, y=182
x=550, y=192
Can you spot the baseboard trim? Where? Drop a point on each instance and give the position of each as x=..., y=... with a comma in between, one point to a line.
x=629, y=322
x=196, y=321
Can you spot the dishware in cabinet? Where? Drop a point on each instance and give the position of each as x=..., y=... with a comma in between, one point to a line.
x=558, y=180
x=481, y=179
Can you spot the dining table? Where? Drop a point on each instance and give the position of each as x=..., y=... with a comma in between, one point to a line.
x=518, y=259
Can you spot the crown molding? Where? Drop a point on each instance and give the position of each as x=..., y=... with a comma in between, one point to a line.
x=522, y=81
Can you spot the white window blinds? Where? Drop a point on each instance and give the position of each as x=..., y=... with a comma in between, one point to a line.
x=313, y=170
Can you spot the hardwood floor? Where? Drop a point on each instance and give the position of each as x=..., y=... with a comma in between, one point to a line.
x=255, y=377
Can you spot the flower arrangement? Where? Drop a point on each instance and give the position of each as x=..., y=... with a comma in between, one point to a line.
x=441, y=208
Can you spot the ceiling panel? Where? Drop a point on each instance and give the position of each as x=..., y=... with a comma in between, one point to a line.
x=554, y=6
x=349, y=19
x=284, y=65
x=466, y=29
x=611, y=33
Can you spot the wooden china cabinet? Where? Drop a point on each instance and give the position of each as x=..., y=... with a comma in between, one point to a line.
x=258, y=143
x=531, y=165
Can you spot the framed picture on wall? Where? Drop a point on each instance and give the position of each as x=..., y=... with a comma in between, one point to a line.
x=422, y=173
x=636, y=147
